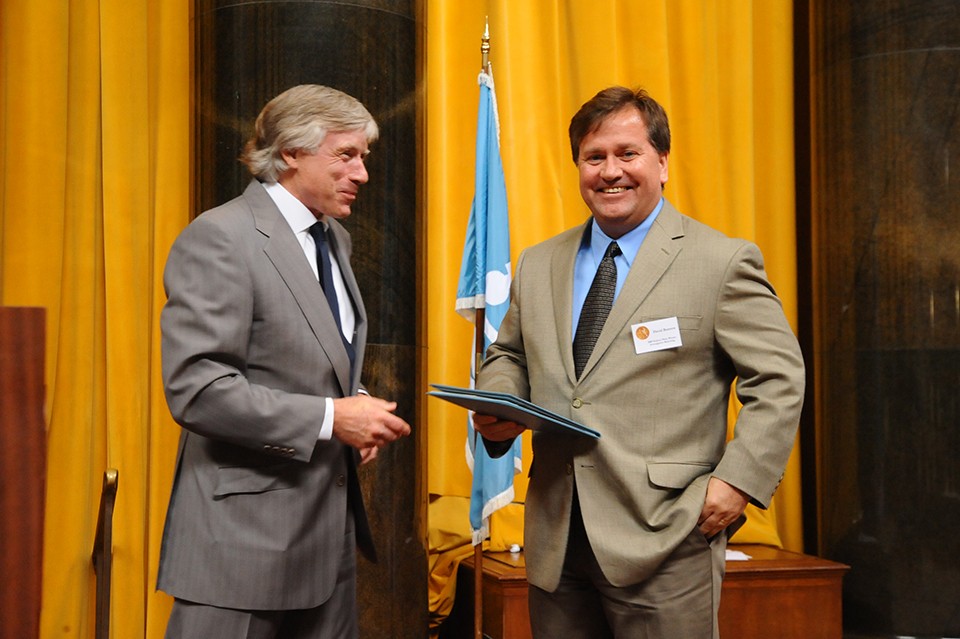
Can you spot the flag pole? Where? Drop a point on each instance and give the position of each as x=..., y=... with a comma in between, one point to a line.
x=478, y=327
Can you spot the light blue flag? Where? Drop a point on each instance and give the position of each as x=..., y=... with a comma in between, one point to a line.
x=485, y=283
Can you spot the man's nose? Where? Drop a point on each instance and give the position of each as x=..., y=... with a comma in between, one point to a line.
x=610, y=168
x=359, y=173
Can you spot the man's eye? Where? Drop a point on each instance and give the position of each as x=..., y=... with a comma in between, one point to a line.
x=594, y=159
x=628, y=155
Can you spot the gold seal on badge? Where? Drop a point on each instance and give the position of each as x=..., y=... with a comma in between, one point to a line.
x=643, y=332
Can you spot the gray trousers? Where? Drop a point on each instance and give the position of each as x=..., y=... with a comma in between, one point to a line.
x=680, y=600
x=336, y=618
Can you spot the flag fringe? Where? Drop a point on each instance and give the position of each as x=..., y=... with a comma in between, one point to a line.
x=471, y=304
x=486, y=78
x=496, y=503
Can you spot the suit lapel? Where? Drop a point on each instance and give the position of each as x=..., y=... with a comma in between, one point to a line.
x=286, y=254
x=658, y=251
x=561, y=270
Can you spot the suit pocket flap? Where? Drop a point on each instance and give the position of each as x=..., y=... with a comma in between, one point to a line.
x=676, y=474
x=239, y=480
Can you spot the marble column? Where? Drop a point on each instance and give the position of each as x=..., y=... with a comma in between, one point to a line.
x=885, y=251
x=246, y=53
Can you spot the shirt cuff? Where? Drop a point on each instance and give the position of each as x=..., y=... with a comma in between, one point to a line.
x=326, y=428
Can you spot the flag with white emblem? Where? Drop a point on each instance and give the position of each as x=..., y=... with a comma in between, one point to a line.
x=485, y=284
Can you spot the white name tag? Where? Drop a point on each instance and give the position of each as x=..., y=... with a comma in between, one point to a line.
x=656, y=335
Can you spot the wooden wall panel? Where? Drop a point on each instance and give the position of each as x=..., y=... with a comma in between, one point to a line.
x=22, y=469
x=885, y=251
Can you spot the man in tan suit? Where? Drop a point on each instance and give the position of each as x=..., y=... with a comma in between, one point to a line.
x=636, y=324
x=263, y=343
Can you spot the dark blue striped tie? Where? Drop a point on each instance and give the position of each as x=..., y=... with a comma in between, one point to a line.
x=325, y=271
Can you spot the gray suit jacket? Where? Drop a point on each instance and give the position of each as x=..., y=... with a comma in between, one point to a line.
x=250, y=350
x=663, y=414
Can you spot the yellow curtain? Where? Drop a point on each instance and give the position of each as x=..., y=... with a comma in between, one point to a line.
x=724, y=72
x=94, y=185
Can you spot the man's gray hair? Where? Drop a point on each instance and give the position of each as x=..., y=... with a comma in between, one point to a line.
x=299, y=119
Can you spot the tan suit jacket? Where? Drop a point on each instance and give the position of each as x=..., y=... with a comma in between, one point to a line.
x=662, y=415
x=250, y=350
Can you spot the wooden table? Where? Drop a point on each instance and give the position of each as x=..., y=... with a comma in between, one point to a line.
x=505, y=611
x=776, y=593
x=781, y=594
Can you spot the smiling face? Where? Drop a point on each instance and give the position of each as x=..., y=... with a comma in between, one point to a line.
x=327, y=180
x=621, y=173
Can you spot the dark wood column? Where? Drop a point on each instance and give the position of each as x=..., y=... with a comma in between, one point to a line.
x=246, y=53
x=885, y=252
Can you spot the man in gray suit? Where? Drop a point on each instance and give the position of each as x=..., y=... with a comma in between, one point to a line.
x=636, y=324
x=263, y=339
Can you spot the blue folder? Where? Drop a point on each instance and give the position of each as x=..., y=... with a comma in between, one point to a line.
x=511, y=408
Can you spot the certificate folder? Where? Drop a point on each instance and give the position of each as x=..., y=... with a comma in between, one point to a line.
x=511, y=408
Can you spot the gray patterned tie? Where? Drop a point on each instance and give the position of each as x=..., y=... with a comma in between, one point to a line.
x=596, y=307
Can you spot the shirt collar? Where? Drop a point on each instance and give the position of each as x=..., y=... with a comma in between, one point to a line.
x=629, y=242
x=293, y=211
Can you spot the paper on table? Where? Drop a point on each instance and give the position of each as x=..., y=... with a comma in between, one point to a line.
x=737, y=555
x=512, y=408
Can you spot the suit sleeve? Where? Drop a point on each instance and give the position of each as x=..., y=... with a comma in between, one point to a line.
x=205, y=326
x=753, y=332
x=504, y=367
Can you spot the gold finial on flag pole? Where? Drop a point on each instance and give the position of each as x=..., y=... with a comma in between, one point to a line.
x=485, y=46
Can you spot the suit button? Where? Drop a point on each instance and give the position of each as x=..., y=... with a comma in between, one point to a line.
x=569, y=468
x=577, y=402
x=341, y=480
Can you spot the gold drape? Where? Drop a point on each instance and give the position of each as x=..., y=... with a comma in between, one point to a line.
x=723, y=71
x=94, y=181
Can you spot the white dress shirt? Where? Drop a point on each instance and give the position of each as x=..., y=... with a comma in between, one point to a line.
x=300, y=220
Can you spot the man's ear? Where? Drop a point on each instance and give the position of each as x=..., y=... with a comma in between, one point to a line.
x=290, y=157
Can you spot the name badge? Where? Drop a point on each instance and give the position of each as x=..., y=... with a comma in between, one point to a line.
x=656, y=335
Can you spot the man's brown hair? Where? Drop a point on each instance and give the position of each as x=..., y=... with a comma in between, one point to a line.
x=610, y=101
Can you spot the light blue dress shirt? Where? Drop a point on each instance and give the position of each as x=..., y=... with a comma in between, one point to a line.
x=592, y=248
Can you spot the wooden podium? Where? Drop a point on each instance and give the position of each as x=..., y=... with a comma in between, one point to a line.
x=505, y=612
x=22, y=469
x=776, y=593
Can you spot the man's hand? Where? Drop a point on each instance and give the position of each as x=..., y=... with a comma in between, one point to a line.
x=723, y=505
x=496, y=430
x=366, y=422
x=367, y=455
